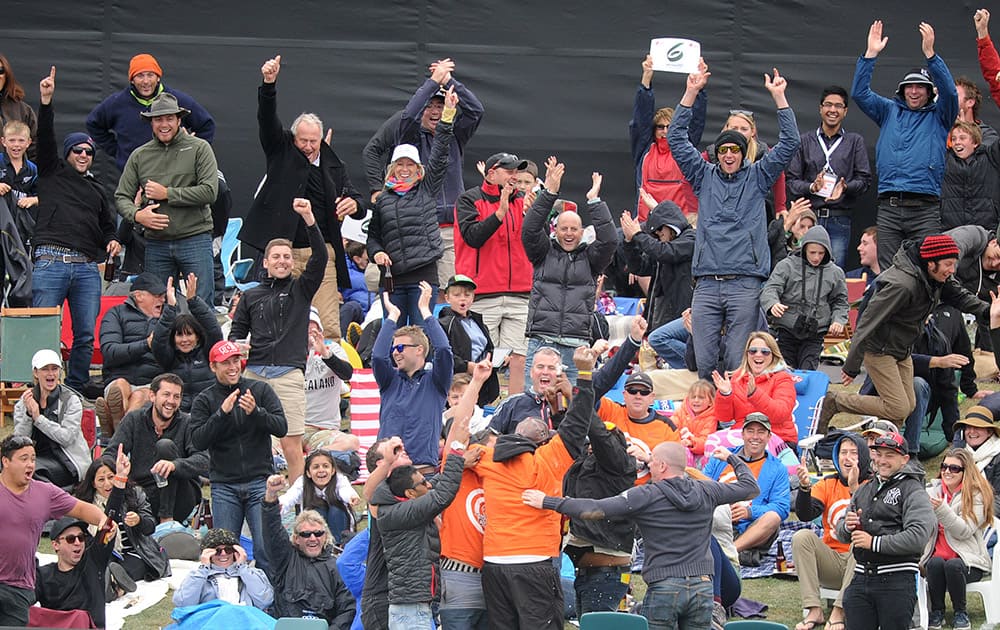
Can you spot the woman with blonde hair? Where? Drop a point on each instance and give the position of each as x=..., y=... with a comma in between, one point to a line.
x=962, y=499
x=761, y=384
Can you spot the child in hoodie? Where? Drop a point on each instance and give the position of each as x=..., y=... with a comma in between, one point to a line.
x=696, y=418
x=806, y=296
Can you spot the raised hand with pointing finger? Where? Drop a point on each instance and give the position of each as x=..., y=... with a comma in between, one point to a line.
x=47, y=87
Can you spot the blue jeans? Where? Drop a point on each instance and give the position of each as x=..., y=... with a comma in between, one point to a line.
x=463, y=606
x=566, y=352
x=839, y=229
x=80, y=284
x=410, y=617
x=337, y=520
x=234, y=502
x=679, y=603
x=726, y=585
x=717, y=304
x=599, y=588
x=670, y=343
x=406, y=297
x=180, y=257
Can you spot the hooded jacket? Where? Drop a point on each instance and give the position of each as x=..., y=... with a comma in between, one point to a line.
x=302, y=583
x=823, y=286
x=410, y=538
x=564, y=283
x=669, y=511
x=972, y=241
x=904, y=297
x=898, y=515
x=970, y=190
x=669, y=263
x=831, y=495
x=201, y=585
x=909, y=155
x=731, y=238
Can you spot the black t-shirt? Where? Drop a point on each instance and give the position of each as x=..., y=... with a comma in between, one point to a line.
x=80, y=588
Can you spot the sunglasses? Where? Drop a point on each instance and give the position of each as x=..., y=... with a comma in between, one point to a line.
x=741, y=112
x=661, y=127
x=3, y=71
x=81, y=151
x=952, y=468
x=316, y=534
x=399, y=347
x=763, y=351
x=74, y=538
x=729, y=149
x=225, y=549
x=638, y=391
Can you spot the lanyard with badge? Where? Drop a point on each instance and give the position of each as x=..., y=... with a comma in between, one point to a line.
x=829, y=177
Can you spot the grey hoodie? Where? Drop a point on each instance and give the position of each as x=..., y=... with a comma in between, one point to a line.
x=669, y=511
x=792, y=273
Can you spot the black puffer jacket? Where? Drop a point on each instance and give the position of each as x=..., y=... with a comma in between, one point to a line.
x=669, y=264
x=192, y=367
x=564, y=284
x=409, y=535
x=461, y=349
x=606, y=471
x=970, y=190
x=238, y=443
x=406, y=226
x=302, y=583
x=124, y=343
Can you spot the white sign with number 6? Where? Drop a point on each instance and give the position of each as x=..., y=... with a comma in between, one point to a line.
x=672, y=54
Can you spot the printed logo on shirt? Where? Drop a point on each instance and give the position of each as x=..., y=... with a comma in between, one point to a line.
x=642, y=468
x=475, y=509
x=892, y=496
x=185, y=149
x=838, y=510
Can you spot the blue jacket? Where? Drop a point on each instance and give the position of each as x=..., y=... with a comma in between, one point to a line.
x=411, y=407
x=732, y=223
x=118, y=128
x=359, y=288
x=351, y=565
x=909, y=155
x=774, y=496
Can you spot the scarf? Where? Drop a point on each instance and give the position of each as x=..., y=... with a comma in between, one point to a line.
x=400, y=187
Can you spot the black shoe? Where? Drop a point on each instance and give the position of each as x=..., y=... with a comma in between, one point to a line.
x=118, y=582
x=749, y=558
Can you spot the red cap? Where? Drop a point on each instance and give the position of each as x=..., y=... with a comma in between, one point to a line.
x=937, y=247
x=223, y=350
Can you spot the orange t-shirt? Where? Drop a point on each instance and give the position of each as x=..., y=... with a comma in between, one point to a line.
x=464, y=522
x=836, y=498
x=645, y=435
x=728, y=476
x=513, y=528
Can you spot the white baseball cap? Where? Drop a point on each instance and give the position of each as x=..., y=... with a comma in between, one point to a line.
x=45, y=357
x=406, y=151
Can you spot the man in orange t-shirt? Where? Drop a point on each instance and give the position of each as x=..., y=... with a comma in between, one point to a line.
x=643, y=426
x=827, y=562
x=520, y=578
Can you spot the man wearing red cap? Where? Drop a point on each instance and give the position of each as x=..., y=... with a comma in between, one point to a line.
x=906, y=293
x=234, y=420
x=116, y=124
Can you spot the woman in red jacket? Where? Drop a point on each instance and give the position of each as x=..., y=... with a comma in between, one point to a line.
x=762, y=383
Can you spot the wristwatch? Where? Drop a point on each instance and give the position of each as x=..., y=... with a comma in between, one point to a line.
x=457, y=446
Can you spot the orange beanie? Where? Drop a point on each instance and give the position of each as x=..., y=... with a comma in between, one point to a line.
x=143, y=62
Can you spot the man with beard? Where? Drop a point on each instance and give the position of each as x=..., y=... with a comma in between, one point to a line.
x=167, y=465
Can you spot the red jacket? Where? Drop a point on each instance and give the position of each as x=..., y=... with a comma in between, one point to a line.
x=989, y=64
x=662, y=178
x=774, y=397
x=488, y=250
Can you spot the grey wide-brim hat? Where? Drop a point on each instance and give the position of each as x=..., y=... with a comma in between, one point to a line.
x=163, y=105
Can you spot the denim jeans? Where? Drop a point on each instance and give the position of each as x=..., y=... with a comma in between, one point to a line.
x=679, y=603
x=880, y=601
x=79, y=284
x=410, y=617
x=599, y=589
x=670, y=343
x=234, y=502
x=536, y=343
x=839, y=229
x=406, y=297
x=180, y=257
x=733, y=305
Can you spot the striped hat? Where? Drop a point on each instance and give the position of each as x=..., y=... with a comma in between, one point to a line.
x=937, y=247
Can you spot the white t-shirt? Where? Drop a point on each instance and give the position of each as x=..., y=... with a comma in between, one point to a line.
x=323, y=390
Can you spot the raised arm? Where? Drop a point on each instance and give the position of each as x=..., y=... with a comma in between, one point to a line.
x=269, y=126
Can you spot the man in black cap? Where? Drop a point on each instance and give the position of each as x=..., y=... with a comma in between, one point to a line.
x=126, y=343
x=488, y=249
x=889, y=521
x=175, y=178
x=910, y=153
x=74, y=230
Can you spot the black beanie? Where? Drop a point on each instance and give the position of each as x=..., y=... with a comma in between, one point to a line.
x=731, y=137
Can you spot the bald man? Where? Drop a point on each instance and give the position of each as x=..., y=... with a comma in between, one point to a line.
x=565, y=269
x=673, y=507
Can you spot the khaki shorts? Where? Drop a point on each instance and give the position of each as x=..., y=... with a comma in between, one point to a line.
x=291, y=391
x=315, y=437
x=446, y=264
x=506, y=318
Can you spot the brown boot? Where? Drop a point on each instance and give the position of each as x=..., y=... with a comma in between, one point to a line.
x=116, y=406
x=829, y=410
x=104, y=418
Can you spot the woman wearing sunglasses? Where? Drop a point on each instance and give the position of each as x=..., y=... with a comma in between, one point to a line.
x=761, y=384
x=962, y=501
x=223, y=573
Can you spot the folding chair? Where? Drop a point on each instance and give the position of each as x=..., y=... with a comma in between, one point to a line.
x=612, y=621
x=23, y=331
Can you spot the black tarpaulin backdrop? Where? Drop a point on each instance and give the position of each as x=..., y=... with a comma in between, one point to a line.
x=555, y=78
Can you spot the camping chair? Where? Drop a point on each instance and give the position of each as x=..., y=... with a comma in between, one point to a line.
x=612, y=621
x=989, y=589
x=23, y=332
